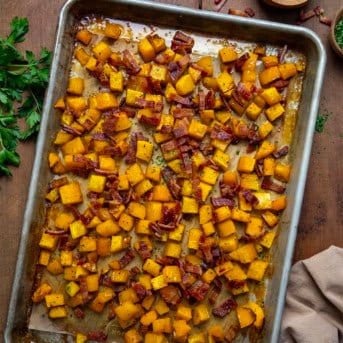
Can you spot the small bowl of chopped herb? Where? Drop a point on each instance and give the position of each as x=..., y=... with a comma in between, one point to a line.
x=336, y=33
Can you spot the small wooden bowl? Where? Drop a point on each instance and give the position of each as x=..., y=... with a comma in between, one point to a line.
x=286, y=3
x=333, y=42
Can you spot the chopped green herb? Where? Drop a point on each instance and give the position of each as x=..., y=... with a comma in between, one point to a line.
x=18, y=74
x=320, y=122
x=339, y=33
x=237, y=152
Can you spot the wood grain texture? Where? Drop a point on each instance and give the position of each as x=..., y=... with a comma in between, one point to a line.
x=321, y=220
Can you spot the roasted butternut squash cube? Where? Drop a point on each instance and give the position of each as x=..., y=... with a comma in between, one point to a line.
x=126, y=311
x=84, y=36
x=153, y=210
x=274, y=112
x=270, y=218
x=144, y=150
x=189, y=205
x=142, y=227
x=172, y=274
x=253, y=111
x=250, y=181
x=270, y=61
x=54, y=299
x=181, y=330
x=269, y=75
x=105, y=101
x=112, y=30
x=209, y=275
x=162, y=325
x=161, y=307
x=92, y=282
x=107, y=228
x=205, y=214
x=206, y=64
x=159, y=282
x=193, y=238
x=87, y=244
x=282, y=172
x=137, y=210
x=197, y=338
x=81, y=55
x=221, y=159
x=271, y=96
x=102, y=51
x=246, y=164
x=135, y=174
x=268, y=239
x=208, y=228
x=58, y=312
x=209, y=175
x=152, y=267
x=201, y=314
x=73, y=147
x=258, y=311
x=265, y=129
x=245, y=316
x=226, y=83
x=133, y=336
x=77, y=229
x=44, y=257
x=158, y=73
x=279, y=204
x=195, y=74
x=223, y=268
x=230, y=177
x=117, y=244
x=75, y=86
x=153, y=173
x=116, y=81
x=40, y=293
x=197, y=130
x=96, y=183
x=185, y=85
x=264, y=150
x=177, y=234
x=229, y=243
x=91, y=64
x=103, y=246
x=228, y=54
x=146, y=50
x=54, y=266
x=48, y=241
x=226, y=228
x=264, y=201
x=222, y=213
x=172, y=249
x=257, y=270
x=120, y=276
x=236, y=273
x=217, y=332
x=126, y=221
x=245, y=254
x=143, y=187
x=240, y=216
x=183, y=312
x=254, y=227
x=287, y=70
x=161, y=193
x=128, y=295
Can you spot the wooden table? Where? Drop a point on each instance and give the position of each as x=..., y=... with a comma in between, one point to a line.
x=321, y=223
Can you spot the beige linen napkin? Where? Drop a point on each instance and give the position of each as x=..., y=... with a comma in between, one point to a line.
x=314, y=302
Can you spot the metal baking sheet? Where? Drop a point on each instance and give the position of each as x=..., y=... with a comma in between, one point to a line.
x=203, y=22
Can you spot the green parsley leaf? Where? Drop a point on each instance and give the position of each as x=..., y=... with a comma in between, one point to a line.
x=320, y=122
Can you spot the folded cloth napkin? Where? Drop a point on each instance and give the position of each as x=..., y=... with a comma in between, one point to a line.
x=314, y=301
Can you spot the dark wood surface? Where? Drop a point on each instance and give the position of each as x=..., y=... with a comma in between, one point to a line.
x=321, y=223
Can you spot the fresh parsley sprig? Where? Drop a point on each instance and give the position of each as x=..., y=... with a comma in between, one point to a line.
x=23, y=79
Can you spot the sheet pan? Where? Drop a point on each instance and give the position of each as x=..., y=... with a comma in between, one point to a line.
x=192, y=20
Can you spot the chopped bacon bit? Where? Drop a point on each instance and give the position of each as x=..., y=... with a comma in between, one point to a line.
x=71, y=130
x=231, y=333
x=318, y=10
x=55, y=232
x=182, y=43
x=199, y=290
x=170, y=215
x=177, y=68
x=225, y=308
x=222, y=133
x=109, y=124
x=249, y=197
x=100, y=136
x=200, y=68
x=325, y=20
x=167, y=261
x=187, y=162
x=144, y=250
x=215, y=291
x=282, y=53
x=105, y=280
x=166, y=129
x=244, y=91
x=131, y=152
x=179, y=112
x=171, y=182
x=67, y=244
x=171, y=295
x=249, y=11
x=140, y=290
x=156, y=231
x=281, y=152
x=169, y=146
x=84, y=290
x=303, y=16
x=234, y=284
x=57, y=183
x=153, y=121
x=97, y=336
x=279, y=84
x=206, y=148
x=241, y=60
x=127, y=258
x=218, y=202
x=79, y=312
x=228, y=191
x=163, y=58
x=196, y=189
x=182, y=129
x=259, y=168
x=210, y=99
x=193, y=269
x=239, y=13
x=267, y=183
x=185, y=101
x=132, y=67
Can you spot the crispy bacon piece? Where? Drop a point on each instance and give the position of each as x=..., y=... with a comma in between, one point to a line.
x=210, y=99
x=166, y=129
x=279, y=84
x=249, y=11
x=267, y=183
x=156, y=231
x=196, y=189
x=143, y=250
x=105, y=280
x=282, y=53
x=231, y=333
x=55, y=231
x=243, y=91
x=239, y=13
x=303, y=16
x=218, y=202
x=131, y=152
x=198, y=290
x=206, y=148
x=163, y=58
x=84, y=290
x=241, y=60
x=67, y=244
x=126, y=258
x=188, y=163
x=98, y=336
x=170, y=215
x=202, y=101
x=140, y=290
x=185, y=101
x=177, y=68
x=281, y=152
x=56, y=183
x=182, y=43
x=153, y=121
x=167, y=261
x=259, y=168
x=71, y=130
x=182, y=129
x=171, y=295
x=225, y=308
x=219, y=4
x=221, y=133
x=169, y=146
x=193, y=269
x=215, y=291
x=132, y=67
x=79, y=312
x=180, y=112
x=109, y=124
x=249, y=197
